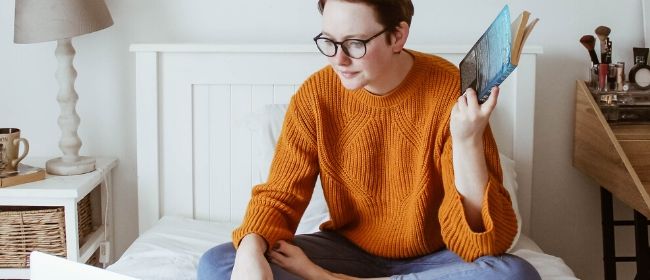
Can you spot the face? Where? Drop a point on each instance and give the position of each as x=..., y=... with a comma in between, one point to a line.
x=346, y=20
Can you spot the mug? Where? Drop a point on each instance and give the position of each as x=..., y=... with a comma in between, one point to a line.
x=9, y=143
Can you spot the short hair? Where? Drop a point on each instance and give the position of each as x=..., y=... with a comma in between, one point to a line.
x=389, y=13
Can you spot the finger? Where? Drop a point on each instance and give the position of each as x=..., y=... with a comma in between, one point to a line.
x=472, y=99
x=491, y=102
x=277, y=249
x=279, y=246
x=277, y=261
x=462, y=102
x=276, y=255
x=285, y=247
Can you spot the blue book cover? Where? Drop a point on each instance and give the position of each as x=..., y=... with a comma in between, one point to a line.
x=496, y=53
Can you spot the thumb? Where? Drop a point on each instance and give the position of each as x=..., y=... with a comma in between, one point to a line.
x=491, y=102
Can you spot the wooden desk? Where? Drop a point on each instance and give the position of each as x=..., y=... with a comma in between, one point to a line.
x=617, y=156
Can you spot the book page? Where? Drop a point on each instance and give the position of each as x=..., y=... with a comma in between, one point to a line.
x=518, y=28
x=529, y=29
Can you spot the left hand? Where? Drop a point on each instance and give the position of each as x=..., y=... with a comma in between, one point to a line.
x=468, y=118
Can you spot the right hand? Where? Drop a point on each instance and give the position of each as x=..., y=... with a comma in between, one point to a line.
x=250, y=262
x=469, y=119
x=293, y=259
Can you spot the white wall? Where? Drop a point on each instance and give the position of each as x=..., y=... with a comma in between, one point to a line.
x=566, y=213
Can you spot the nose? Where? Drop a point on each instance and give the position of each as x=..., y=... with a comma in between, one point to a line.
x=340, y=58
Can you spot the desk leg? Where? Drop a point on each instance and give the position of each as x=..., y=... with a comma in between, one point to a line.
x=609, y=249
x=71, y=230
x=642, y=248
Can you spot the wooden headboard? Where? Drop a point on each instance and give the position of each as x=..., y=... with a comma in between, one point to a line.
x=194, y=157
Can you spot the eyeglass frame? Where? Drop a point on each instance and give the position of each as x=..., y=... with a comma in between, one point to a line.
x=345, y=51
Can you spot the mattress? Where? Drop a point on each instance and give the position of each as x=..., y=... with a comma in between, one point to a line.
x=172, y=248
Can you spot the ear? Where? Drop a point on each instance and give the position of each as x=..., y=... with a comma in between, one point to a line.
x=400, y=34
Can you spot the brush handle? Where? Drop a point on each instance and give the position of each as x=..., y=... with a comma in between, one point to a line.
x=603, y=49
x=608, y=55
x=594, y=57
x=606, y=51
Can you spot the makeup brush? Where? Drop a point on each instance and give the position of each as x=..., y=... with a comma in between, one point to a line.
x=589, y=42
x=608, y=54
x=603, y=35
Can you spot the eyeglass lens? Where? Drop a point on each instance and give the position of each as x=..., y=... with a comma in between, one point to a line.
x=351, y=47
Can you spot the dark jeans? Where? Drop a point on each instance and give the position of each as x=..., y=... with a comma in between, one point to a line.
x=336, y=254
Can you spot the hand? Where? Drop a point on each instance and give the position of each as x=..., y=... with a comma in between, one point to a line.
x=250, y=262
x=294, y=260
x=469, y=119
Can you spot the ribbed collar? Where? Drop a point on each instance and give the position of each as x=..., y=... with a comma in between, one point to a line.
x=406, y=88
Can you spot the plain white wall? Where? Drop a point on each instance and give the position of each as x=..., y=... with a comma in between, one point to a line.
x=566, y=210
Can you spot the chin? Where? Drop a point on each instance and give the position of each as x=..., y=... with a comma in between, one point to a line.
x=351, y=84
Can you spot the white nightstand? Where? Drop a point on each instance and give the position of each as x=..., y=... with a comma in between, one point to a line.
x=65, y=191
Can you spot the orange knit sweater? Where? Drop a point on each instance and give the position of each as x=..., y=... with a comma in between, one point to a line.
x=386, y=168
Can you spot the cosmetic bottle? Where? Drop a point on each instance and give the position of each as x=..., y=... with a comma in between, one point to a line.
x=620, y=76
x=603, y=72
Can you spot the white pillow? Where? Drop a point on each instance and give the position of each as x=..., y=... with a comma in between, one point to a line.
x=510, y=183
x=266, y=124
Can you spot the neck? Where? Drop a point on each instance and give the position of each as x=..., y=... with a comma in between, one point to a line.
x=396, y=73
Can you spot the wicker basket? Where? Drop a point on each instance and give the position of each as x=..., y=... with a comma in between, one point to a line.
x=27, y=229
x=94, y=260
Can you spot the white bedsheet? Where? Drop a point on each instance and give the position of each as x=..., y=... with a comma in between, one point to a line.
x=172, y=248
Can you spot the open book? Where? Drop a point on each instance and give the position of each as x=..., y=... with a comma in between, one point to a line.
x=496, y=54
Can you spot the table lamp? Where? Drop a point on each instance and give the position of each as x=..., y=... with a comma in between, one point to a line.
x=48, y=20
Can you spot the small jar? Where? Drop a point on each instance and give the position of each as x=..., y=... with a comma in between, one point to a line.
x=640, y=73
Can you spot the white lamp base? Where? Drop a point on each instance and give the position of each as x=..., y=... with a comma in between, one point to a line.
x=70, y=163
x=57, y=166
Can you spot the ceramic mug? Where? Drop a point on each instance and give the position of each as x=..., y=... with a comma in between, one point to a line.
x=9, y=144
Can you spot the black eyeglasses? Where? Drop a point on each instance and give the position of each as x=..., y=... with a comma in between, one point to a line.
x=353, y=48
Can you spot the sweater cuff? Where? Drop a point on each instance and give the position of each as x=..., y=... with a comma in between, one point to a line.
x=268, y=223
x=499, y=221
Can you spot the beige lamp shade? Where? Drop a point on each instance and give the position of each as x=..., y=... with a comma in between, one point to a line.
x=49, y=20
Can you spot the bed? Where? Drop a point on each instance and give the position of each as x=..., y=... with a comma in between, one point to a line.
x=207, y=120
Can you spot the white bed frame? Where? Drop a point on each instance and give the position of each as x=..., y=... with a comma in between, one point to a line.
x=194, y=157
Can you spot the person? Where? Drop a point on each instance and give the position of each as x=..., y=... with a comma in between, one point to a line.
x=410, y=170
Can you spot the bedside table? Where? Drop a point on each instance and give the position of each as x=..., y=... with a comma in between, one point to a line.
x=66, y=192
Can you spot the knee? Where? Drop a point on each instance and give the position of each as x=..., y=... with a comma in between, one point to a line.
x=518, y=268
x=217, y=262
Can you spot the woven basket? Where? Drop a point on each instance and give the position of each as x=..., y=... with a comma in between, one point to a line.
x=27, y=229
x=94, y=260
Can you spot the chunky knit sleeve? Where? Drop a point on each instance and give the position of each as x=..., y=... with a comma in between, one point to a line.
x=500, y=222
x=276, y=206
